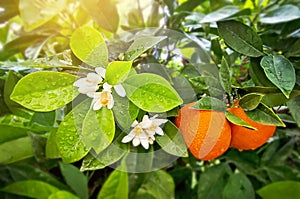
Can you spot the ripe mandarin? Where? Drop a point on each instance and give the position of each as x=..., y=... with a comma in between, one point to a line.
x=245, y=139
x=207, y=133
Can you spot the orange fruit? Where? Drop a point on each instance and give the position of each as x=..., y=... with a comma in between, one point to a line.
x=243, y=138
x=207, y=133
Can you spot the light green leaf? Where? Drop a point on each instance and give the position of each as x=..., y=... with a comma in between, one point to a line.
x=52, y=150
x=68, y=140
x=151, y=93
x=222, y=13
x=10, y=132
x=36, y=13
x=264, y=115
x=238, y=121
x=241, y=38
x=280, y=71
x=117, y=71
x=116, y=186
x=63, y=195
x=294, y=107
x=75, y=179
x=115, y=151
x=140, y=45
x=279, y=190
x=98, y=129
x=159, y=184
x=15, y=150
x=224, y=76
x=45, y=91
x=250, y=101
x=31, y=188
x=103, y=12
x=210, y=103
x=238, y=186
x=283, y=13
x=172, y=141
x=89, y=46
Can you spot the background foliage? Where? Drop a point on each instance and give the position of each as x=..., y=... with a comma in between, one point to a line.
x=244, y=48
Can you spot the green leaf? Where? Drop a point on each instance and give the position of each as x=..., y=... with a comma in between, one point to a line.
x=140, y=45
x=16, y=150
x=238, y=186
x=279, y=190
x=225, y=76
x=212, y=181
x=283, y=13
x=238, y=121
x=241, y=38
x=31, y=188
x=159, y=184
x=280, y=71
x=222, y=13
x=63, y=195
x=257, y=73
x=52, y=150
x=264, y=115
x=103, y=12
x=294, y=107
x=210, y=103
x=98, y=129
x=151, y=93
x=89, y=46
x=125, y=112
x=10, y=132
x=68, y=140
x=44, y=91
x=36, y=13
x=172, y=141
x=115, y=151
x=117, y=71
x=116, y=186
x=250, y=101
x=75, y=179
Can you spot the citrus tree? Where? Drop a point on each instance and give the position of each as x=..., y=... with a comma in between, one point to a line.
x=149, y=99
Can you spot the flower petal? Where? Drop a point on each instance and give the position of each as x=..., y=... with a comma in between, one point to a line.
x=107, y=87
x=145, y=143
x=87, y=89
x=101, y=71
x=80, y=82
x=120, y=90
x=97, y=105
x=159, y=131
x=94, y=78
x=136, y=141
x=110, y=103
x=128, y=137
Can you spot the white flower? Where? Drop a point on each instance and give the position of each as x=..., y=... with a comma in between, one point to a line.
x=89, y=84
x=103, y=98
x=143, y=132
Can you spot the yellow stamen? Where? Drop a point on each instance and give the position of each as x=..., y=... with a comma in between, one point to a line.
x=137, y=130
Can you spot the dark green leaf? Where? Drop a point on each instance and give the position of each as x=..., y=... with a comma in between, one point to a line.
x=172, y=141
x=75, y=179
x=250, y=101
x=294, y=107
x=238, y=186
x=222, y=13
x=212, y=182
x=280, y=72
x=104, y=13
x=264, y=115
x=98, y=129
x=210, y=103
x=279, y=190
x=31, y=188
x=225, y=76
x=257, y=73
x=241, y=38
x=89, y=46
x=45, y=90
x=281, y=14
